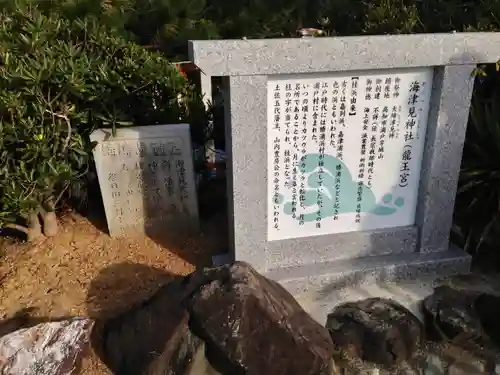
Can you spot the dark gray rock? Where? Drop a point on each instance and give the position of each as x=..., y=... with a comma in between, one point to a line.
x=253, y=326
x=184, y=354
x=226, y=320
x=465, y=316
x=450, y=315
x=152, y=338
x=376, y=330
x=481, y=295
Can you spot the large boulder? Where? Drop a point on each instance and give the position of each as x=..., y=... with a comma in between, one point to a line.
x=450, y=315
x=253, y=326
x=184, y=354
x=152, y=338
x=54, y=348
x=227, y=320
x=376, y=330
x=464, y=312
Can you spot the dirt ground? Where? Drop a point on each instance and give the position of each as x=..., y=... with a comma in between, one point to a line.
x=83, y=271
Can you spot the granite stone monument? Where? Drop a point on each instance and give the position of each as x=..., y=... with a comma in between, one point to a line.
x=146, y=178
x=344, y=152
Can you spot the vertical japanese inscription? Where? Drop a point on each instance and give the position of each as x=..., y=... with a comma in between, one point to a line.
x=411, y=131
x=149, y=183
x=346, y=150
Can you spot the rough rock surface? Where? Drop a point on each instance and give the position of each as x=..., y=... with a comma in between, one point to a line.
x=54, y=348
x=450, y=315
x=184, y=354
x=152, y=338
x=464, y=314
x=171, y=361
x=253, y=326
x=375, y=330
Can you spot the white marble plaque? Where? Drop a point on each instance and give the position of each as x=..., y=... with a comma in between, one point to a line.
x=147, y=179
x=345, y=150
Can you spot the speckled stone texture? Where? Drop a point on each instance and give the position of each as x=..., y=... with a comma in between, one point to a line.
x=325, y=278
x=129, y=179
x=294, y=55
x=332, y=260
x=448, y=116
x=465, y=317
x=53, y=348
x=254, y=324
x=377, y=330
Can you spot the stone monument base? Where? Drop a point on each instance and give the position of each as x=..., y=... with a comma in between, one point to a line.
x=325, y=277
x=322, y=279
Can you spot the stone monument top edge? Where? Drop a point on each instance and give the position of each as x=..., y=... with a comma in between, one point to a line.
x=136, y=132
x=239, y=57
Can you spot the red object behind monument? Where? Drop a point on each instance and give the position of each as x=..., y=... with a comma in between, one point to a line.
x=187, y=68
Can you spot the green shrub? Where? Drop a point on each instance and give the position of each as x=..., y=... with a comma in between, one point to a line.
x=161, y=25
x=477, y=208
x=166, y=25
x=59, y=80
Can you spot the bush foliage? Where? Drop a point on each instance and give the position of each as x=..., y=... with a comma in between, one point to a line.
x=59, y=80
x=477, y=208
x=167, y=24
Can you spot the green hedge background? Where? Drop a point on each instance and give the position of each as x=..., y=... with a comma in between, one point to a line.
x=167, y=24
